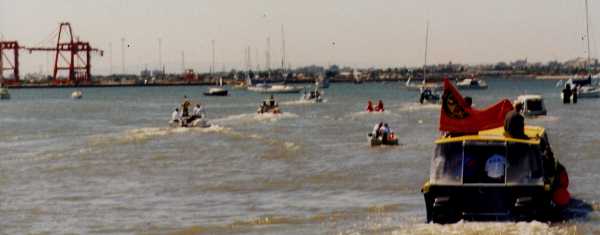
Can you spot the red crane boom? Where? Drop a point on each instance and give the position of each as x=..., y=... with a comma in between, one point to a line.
x=72, y=57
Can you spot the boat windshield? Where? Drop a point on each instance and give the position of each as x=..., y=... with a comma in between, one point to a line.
x=535, y=105
x=486, y=162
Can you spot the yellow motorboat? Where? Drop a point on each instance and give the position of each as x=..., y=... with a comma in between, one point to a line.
x=491, y=176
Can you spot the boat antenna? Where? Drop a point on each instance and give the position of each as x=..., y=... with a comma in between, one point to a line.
x=587, y=36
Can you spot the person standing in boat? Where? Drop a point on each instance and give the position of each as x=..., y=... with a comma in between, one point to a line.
x=271, y=101
x=567, y=94
x=185, y=105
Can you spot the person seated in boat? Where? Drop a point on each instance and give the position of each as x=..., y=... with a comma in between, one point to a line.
x=175, y=117
x=567, y=94
x=197, y=113
x=369, y=106
x=379, y=107
x=574, y=94
x=377, y=130
x=385, y=132
x=514, y=123
x=468, y=102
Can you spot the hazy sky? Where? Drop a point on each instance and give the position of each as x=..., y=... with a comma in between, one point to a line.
x=366, y=33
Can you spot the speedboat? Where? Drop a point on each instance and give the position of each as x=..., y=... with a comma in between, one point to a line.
x=275, y=88
x=533, y=105
x=4, y=95
x=76, y=95
x=217, y=91
x=315, y=96
x=489, y=176
x=471, y=83
x=428, y=96
x=391, y=139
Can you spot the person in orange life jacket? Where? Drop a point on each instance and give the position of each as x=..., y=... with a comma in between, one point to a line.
x=369, y=106
x=379, y=107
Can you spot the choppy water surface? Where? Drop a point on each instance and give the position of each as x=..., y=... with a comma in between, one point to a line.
x=110, y=164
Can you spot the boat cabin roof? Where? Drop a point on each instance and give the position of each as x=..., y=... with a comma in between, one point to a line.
x=534, y=133
x=529, y=97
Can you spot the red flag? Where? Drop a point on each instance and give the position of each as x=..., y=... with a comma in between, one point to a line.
x=456, y=117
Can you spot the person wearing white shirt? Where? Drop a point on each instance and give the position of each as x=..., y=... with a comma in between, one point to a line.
x=376, y=129
x=175, y=116
x=198, y=111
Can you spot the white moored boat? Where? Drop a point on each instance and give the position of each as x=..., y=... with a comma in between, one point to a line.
x=588, y=92
x=471, y=83
x=217, y=91
x=76, y=95
x=276, y=88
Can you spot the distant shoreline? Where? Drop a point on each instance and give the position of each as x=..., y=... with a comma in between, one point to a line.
x=133, y=83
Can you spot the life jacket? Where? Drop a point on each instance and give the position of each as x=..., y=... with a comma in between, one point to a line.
x=370, y=107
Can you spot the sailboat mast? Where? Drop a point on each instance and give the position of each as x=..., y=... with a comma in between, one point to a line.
x=282, y=49
x=212, y=66
x=426, y=48
x=587, y=36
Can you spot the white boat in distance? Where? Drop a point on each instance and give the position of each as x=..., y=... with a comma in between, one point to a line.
x=471, y=83
x=4, y=95
x=588, y=92
x=419, y=87
x=276, y=88
x=76, y=95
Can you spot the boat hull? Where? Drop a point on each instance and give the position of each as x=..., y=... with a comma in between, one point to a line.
x=217, y=93
x=377, y=141
x=196, y=123
x=276, y=91
x=4, y=95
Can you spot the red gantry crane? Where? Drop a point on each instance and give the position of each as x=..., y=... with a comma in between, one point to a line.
x=9, y=61
x=71, y=56
x=72, y=60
